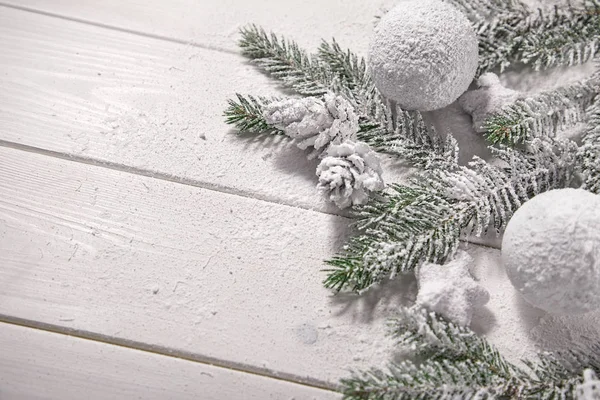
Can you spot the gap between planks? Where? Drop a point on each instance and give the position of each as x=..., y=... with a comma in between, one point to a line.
x=118, y=28
x=167, y=352
x=156, y=175
x=180, y=180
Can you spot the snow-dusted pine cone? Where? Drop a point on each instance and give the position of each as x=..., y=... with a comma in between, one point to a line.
x=314, y=122
x=348, y=172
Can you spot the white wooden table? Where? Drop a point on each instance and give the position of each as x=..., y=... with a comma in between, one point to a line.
x=148, y=252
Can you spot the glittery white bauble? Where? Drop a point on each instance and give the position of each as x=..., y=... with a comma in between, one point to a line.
x=551, y=251
x=424, y=54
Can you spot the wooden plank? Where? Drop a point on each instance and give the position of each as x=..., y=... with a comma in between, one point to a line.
x=37, y=364
x=218, y=276
x=155, y=106
x=215, y=24
x=152, y=105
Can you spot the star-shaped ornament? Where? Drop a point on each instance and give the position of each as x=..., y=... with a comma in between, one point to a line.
x=450, y=290
x=487, y=100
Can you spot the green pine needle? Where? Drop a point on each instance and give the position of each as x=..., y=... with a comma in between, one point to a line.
x=565, y=38
x=457, y=364
x=246, y=115
x=508, y=34
x=285, y=60
x=348, y=68
x=507, y=128
x=543, y=114
x=589, y=153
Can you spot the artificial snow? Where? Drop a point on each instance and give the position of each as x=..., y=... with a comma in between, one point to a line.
x=450, y=290
x=487, y=100
x=424, y=54
x=551, y=251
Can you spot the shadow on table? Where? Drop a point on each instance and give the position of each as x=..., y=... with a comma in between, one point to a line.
x=378, y=302
x=281, y=152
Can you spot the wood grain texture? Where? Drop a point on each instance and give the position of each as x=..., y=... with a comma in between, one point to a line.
x=215, y=24
x=43, y=365
x=187, y=269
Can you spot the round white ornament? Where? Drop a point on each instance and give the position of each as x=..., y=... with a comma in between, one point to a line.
x=424, y=54
x=551, y=251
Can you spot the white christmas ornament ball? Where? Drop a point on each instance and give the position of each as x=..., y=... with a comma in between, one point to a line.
x=551, y=251
x=424, y=54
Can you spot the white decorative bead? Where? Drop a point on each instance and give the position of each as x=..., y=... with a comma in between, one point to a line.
x=551, y=251
x=424, y=54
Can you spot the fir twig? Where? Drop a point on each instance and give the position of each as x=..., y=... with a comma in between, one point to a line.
x=407, y=136
x=543, y=114
x=589, y=153
x=405, y=227
x=485, y=10
x=350, y=69
x=567, y=37
x=285, y=60
x=460, y=365
x=423, y=223
x=246, y=114
x=509, y=33
x=432, y=337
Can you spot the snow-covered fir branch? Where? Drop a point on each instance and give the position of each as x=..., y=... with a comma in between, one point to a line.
x=246, y=114
x=350, y=72
x=464, y=366
x=569, y=36
x=543, y=114
x=428, y=335
x=589, y=153
x=509, y=33
x=423, y=222
x=285, y=60
x=406, y=135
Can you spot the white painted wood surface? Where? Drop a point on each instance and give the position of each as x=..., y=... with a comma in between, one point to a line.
x=220, y=276
x=43, y=365
x=216, y=272
x=215, y=24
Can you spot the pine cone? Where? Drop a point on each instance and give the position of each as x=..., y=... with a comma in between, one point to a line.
x=314, y=122
x=349, y=172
